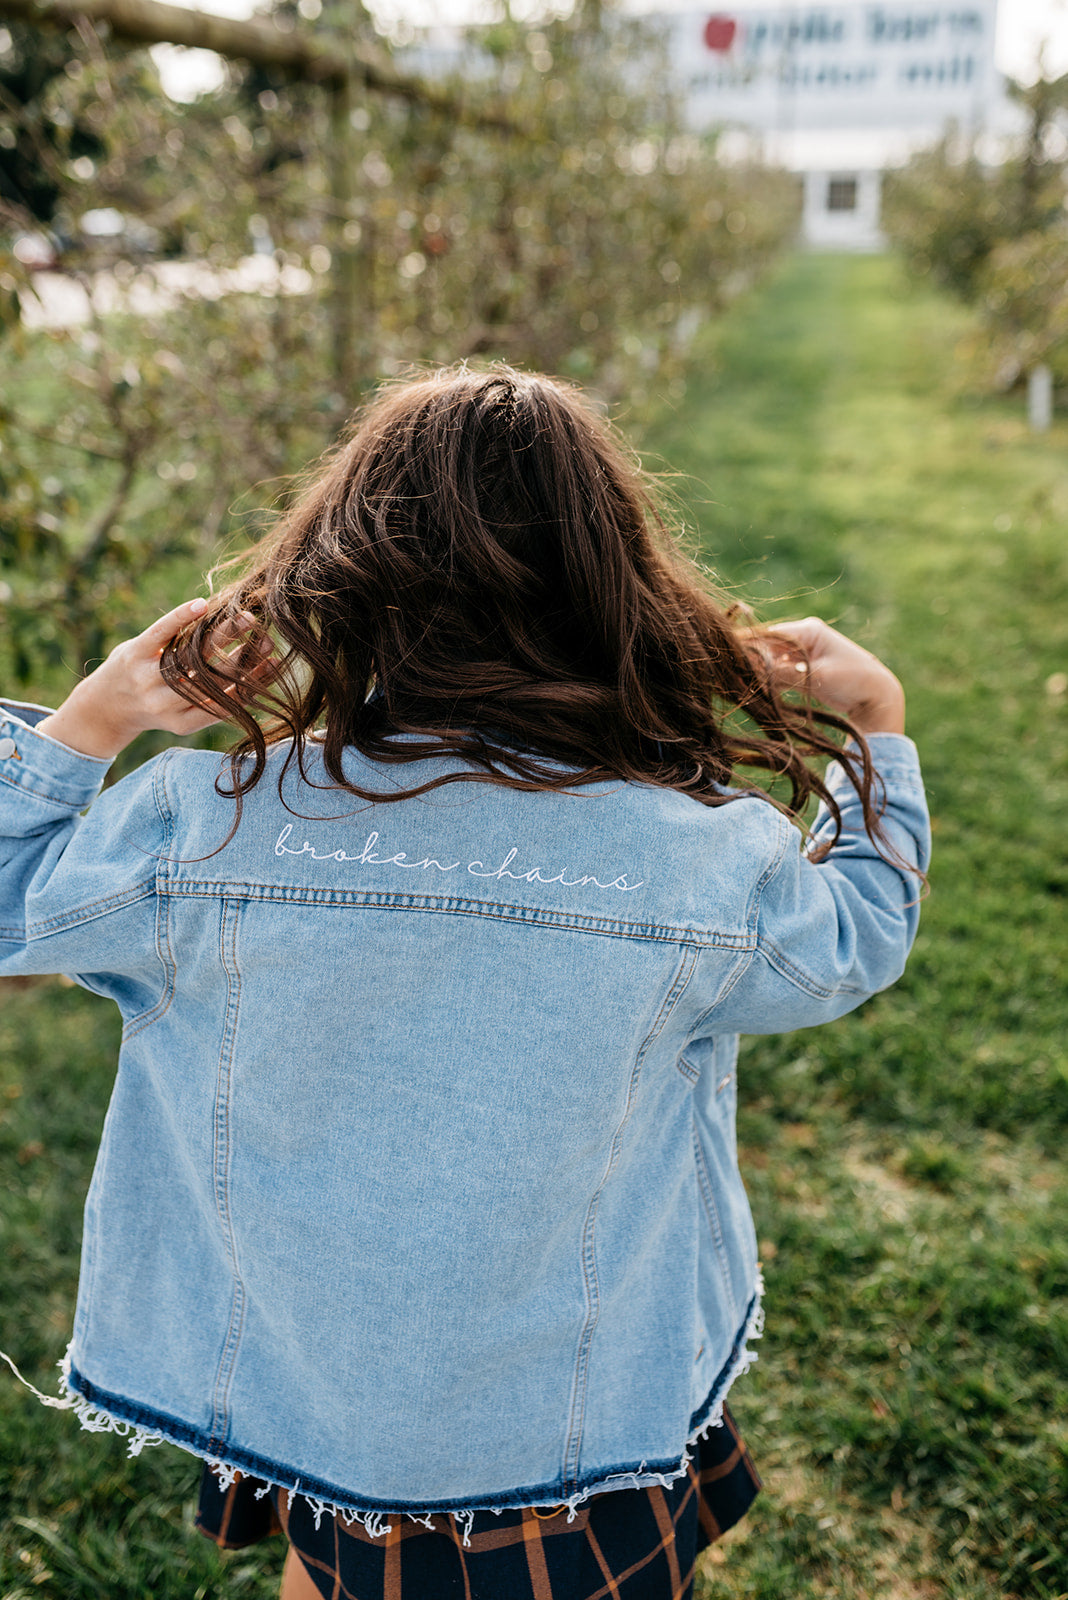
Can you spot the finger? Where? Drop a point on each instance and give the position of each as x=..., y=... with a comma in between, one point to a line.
x=193, y=720
x=805, y=632
x=786, y=657
x=264, y=670
x=244, y=684
x=778, y=649
x=771, y=636
x=791, y=671
x=252, y=662
x=231, y=629
x=160, y=633
x=250, y=652
x=192, y=693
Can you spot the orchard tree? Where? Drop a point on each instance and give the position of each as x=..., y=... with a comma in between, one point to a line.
x=997, y=235
x=585, y=231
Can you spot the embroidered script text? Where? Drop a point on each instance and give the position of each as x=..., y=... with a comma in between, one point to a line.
x=477, y=869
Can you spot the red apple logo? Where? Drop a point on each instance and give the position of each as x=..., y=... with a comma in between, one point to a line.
x=719, y=32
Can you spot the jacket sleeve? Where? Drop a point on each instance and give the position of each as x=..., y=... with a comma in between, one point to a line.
x=77, y=893
x=830, y=934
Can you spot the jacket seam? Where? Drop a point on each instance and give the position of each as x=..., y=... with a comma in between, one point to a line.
x=90, y=912
x=144, y=1019
x=752, y=945
x=22, y=787
x=228, y=928
x=734, y=977
x=691, y=1074
x=781, y=963
x=786, y=832
x=373, y=900
x=573, y=1445
x=775, y=958
x=903, y=776
x=708, y=1198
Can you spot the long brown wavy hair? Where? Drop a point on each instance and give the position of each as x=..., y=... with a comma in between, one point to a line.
x=483, y=567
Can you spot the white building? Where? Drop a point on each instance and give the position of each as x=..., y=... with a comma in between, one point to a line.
x=840, y=92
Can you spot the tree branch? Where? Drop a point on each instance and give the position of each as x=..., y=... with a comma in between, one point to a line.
x=300, y=55
x=85, y=443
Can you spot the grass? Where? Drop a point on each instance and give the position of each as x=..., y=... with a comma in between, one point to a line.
x=908, y=1411
x=909, y=1407
x=850, y=479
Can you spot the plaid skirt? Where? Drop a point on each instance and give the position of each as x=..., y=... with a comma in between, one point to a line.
x=632, y=1544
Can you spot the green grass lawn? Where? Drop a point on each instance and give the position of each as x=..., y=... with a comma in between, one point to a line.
x=910, y=1408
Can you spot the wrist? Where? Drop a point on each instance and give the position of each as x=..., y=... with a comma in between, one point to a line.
x=885, y=714
x=88, y=735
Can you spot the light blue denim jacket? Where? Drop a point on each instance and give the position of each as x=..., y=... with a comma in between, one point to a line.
x=418, y=1188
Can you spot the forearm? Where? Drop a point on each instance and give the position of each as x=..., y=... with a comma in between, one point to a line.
x=77, y=868
x=83, y=724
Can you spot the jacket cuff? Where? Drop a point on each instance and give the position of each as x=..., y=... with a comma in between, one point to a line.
x=40, y=765
x=895, y=759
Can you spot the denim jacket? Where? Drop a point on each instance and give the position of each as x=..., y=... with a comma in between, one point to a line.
x=418, y=1189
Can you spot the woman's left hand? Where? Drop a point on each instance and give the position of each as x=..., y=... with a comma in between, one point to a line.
x=126, y=695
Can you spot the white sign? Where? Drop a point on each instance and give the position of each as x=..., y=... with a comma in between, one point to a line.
x=785, y=68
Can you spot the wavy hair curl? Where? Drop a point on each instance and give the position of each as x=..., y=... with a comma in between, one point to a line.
x=483, y=567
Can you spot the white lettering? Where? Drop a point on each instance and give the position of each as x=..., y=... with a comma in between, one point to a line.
x=476, y=868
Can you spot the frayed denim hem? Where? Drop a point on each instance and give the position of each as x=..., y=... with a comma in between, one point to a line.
x=99, y=1411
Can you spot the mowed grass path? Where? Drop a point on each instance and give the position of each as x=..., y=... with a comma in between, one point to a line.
x=909, y=1408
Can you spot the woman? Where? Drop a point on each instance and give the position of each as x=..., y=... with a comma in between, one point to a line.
x=418, y=1203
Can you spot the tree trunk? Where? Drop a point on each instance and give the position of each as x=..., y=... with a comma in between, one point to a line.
x=345, y=297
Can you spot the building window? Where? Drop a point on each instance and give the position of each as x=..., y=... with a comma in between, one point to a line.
x=842, y=194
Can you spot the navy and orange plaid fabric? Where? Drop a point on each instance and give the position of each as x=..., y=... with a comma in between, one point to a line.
x=635, y=1544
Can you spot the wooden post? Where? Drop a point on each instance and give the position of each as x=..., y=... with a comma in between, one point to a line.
x=345, y=273
x=1040, y=398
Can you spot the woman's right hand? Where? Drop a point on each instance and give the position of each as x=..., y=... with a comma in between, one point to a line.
x=811, y=655
x=127, y=694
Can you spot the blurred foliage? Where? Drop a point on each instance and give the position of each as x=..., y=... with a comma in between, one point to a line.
x=997, y=234
x=946, y=210
x=379, y=233
x=27, y=68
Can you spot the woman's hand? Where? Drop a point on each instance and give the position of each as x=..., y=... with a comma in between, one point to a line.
x=126, y=695
x=840, y=674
